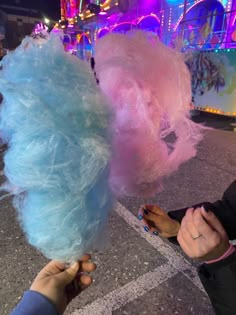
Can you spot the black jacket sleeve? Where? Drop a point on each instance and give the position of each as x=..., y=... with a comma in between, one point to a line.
x=219, y=281
x=224, y=209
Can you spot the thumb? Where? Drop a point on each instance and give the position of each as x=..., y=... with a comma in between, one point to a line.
x=68, y=275
x=214, y=223
x=155, y=209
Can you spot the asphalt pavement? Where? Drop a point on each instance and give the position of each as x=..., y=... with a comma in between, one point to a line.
x=137, y=273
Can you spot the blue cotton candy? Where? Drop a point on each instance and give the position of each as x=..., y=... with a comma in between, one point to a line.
x=55, y=121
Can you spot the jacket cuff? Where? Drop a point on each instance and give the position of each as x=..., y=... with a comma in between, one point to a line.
x=34, y=303
x=229, y=252
x=219, y=264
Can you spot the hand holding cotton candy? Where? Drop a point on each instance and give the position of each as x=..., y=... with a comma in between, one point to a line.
x=150, y=92
x=55, y=121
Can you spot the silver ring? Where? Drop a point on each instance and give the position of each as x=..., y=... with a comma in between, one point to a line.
x=196, y=237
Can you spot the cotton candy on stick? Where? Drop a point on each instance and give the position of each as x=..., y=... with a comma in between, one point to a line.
x=54, y=120
x=149, y=88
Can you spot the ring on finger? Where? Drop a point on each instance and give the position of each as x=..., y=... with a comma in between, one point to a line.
x=196, y=237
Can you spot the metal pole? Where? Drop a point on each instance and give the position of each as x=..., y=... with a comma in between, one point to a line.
x=183, y=19
x=185, y=9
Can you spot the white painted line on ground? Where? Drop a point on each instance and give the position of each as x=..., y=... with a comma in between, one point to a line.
x=129, y=292
x=174, y=258
x=137, y=288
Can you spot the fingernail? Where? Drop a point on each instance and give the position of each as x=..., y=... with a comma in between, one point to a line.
x=155, y=233
x=140, y=217
x=146, y=228
x=203, y=208
x=145, y=212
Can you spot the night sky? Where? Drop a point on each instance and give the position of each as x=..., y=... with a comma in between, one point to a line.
x=51, y=8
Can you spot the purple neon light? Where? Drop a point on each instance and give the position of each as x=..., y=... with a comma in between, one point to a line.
x=103, y=29
x=122, y=23
x=134, y=22
x=139, y=20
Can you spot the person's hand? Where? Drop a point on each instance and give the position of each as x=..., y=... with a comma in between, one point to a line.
x=157, y=222
x=201, y=235
x=60, y=284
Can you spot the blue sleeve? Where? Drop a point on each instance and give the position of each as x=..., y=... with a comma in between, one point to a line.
x=34, y=303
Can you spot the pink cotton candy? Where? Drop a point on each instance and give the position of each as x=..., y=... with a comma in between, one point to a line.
x=149, y=87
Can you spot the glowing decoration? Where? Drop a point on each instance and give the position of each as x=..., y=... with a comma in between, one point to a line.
x=147, y=22
x=174, y=2
x=149, y=87
x=233, y=36
x=39, y=28
x=55, y=121
x=83, y=38
x=102, y=32
x=103, y=13
x=123, y=27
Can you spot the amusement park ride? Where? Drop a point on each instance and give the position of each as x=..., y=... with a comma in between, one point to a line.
x=204, y=30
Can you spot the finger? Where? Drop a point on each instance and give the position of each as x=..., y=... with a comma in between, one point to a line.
x=201, y=225
x=84, y=280
x=85, y=257
x=183, y=244
x=150, y=229
x=147, y=224
x=154, y=209
x=184, y=232
x=69, y=274
x=155, y=218
x=52, y=268
x=190, y=229
x=144, y=222
x=87, y=266
x=140, y=213
x=80, y=283
x=212, y=220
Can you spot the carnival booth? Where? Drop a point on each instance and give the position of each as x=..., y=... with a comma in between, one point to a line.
x=203, y=30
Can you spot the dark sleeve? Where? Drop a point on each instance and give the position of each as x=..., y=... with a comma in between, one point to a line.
x=219, y=281
x=34, y=303
x=224, y=209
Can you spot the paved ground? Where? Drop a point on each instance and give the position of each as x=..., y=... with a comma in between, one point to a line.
x=137, y=273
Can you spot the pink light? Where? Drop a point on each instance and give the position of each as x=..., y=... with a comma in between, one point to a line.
x=134, y=22
x=122, y=23
x=103, y=13
x=70, y=25
x=147, y=16
x=73, y=7
x=233, y=20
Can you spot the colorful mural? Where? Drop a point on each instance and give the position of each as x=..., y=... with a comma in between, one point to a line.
x=214, y=80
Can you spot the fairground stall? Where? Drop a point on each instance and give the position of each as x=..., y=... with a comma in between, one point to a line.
x=203, y=30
